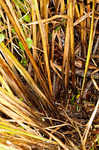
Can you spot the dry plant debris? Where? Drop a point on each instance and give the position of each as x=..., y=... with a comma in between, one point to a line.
x=49, y=74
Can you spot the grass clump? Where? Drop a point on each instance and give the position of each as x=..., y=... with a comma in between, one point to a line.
x=49, y=80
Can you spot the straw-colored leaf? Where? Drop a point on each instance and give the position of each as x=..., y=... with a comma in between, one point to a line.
x=89, y=46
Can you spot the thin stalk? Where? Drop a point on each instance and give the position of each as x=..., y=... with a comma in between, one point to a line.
x=72, y=41
x=89, y=46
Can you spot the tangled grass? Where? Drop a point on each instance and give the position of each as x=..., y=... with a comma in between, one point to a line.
x=49, y=80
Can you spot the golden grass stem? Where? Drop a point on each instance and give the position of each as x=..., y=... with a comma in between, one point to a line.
x=72, y=41
x=89, y=47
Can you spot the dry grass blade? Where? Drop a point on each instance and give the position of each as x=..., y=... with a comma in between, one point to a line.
x=71, y=14
x=62, y=9
x=88, y=19
x=45, y=15
x=77, y=9
x=83, y=33
x=66, y=54
x=89, y=46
